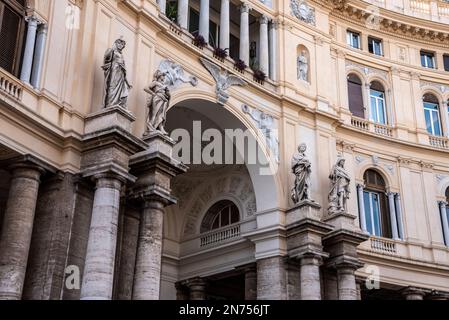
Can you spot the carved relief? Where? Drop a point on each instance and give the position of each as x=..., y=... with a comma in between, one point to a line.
x=303, y=11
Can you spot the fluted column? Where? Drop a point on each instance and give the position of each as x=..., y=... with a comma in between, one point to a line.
x=204, y=20
x=17, y=229
x=224, y=24
x=443, y=213
x=393, y=221
x=264, y=50
x=100, y=257
x=244, y=33
x=28, y=53
x=147, y=275
x=347, y=286
x=397, y=200
x=41, y=39
x=310, y=277
x=273, y=50
x=183, y=13
x=361, y=202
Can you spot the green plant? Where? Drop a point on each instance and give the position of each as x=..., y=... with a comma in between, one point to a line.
x=172, y=11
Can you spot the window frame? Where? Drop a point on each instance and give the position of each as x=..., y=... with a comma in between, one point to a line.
x=431, y=111
x=446, y=62
x=373, y=39
x=376, y=107
x=350, y=37
x=424, y=63
x=218, y=217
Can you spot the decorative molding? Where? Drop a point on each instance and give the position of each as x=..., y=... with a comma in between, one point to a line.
x=439, y=87
x=174, y=74
x=367, y=71
x=303, y=11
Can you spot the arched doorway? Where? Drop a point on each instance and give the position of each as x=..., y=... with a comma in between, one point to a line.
x=227, y=183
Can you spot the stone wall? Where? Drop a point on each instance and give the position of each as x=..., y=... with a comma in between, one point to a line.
x=4, y=189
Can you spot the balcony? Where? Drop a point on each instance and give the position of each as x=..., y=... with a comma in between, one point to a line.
x=10, y=86
x=369, y=126
x=220, y=236
x=381, y=245
x=439, y=142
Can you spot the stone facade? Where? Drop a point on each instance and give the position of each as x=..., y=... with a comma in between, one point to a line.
x=91, y=208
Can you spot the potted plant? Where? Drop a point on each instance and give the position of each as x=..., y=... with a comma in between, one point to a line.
x=172, y=12
x=220, y=53
x=259, y=76
x=199, y=41
x=240, y=65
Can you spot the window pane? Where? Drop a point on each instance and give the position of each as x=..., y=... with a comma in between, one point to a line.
x=216, y=223
x=381, y=110
x=234, y=215
x=446, y=62
x=436, y=124
x=366, y=202
x=225, y=217
x=373, y=109
x=376, y=213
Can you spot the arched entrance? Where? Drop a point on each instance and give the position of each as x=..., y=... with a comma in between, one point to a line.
x=227, y=180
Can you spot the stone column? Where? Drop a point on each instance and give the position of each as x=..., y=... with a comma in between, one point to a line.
x=271, y=279
x=149, y=252
x=273, y=50
x=197, y=289
x=310, y=277
x=183, y=13
x=28, y=53
x=443, y=213
x=397, y=200
x=244, y=33
x=251, y=283
x=41, y=39
x=182, y=291
x=163, y=6
x=444, y=118
x=204, y=20
x=412, y=293
x=393, y=221
x=17, y=229
x=263, y=50
x=98, y=276
x=224, y=24
x=361, y=202
x=347, y=286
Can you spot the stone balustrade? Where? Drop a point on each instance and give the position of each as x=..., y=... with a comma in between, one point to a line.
x=10, y=86
x=221, y=235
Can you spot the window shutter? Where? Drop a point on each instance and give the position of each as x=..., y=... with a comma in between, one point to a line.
x=356, y=99
x=10, y=39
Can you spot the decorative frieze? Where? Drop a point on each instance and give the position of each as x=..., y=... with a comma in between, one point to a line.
x=303, y=11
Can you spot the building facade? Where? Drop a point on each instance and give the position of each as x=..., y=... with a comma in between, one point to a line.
x=91, y=209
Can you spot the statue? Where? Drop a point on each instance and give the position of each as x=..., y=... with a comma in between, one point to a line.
x=301, y=167
x=303, y=66
x=339, y=193
x=223, y=79
x=157, y=104
x=174, y=74
x=116, y=89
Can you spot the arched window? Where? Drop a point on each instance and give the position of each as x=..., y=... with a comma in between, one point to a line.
x=375, y=203
x=432, y=114
x=377, y=100
x=221, y=214
x=355, y=96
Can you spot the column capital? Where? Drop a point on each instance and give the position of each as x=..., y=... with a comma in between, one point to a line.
x=315, y=259
x=361, y=185
x=442, y=204
x=263, y=19
x=32, y=20
x=109, y=180
x=414, y=293
x=245, y=7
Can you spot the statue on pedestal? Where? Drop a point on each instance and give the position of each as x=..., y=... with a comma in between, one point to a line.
x=116, y=88
x=301, y=167
x=303, y=66
x=339, y=193
x=157, y=104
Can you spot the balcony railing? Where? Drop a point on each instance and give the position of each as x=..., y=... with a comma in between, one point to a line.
x=421, y=6
x=368, y=126
x=221, y=235
x=383, y=130
x=360, y=123
x=439, y=142
x=10, y=86
x=383, y=245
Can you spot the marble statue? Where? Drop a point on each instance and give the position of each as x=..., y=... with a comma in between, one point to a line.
x=265, y=123
x=339, y=193
x=116, y=88
x=223, y=79
x=303, y=66
x=301, y=167
x=157, y=104
x=174, y=74
x=302, y=11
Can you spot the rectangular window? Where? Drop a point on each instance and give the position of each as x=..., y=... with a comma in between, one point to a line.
x=428, y=59
x=446, y=62
x=375, y=46
x=194, y=21
x=353, y=39
x=432, y=116
x=372, y=212
x=378, y=112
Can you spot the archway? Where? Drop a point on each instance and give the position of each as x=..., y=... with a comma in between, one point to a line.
x=222, y=169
